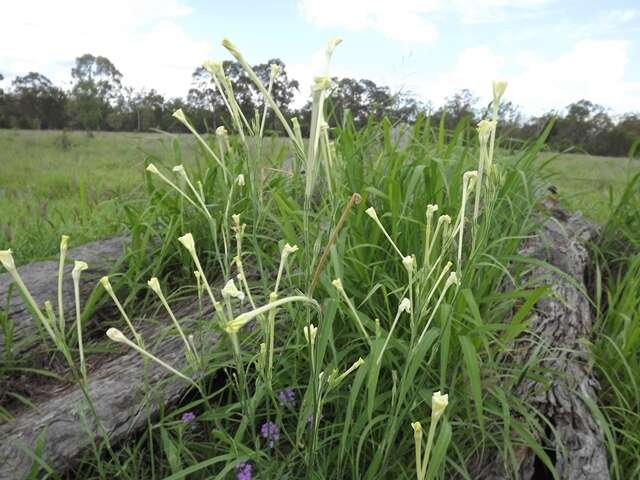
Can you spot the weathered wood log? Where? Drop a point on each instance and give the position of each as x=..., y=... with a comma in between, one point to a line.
x=562, y=322
x=124, y=396
x=41, y=278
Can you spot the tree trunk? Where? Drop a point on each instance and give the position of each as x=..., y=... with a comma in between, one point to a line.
x=41, y=278
x=562, y=323
x=124, y=393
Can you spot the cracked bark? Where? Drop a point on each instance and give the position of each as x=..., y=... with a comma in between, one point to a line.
x=562, y=322
x=124, y=393
x=41, y=278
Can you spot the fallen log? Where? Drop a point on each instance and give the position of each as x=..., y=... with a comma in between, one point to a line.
x=124, y=393
x=562, y=322
x=41, y=279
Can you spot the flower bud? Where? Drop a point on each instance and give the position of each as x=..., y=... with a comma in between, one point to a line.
x=372, y=213
x=405, y=305
x=240, y=180
x=409, y=263
x=438, y=404
x=179, y=115
x=444, y=219
x=116, y=335
x=64, y=244
x=152, y=168
x=221, y=131
x=310, y=333
x=6, y=258
x=213, y=67
x=188, y=242
x=106, y=284
x=417, y=428
x=499, y=88
x=154, y=284
x=337, y=283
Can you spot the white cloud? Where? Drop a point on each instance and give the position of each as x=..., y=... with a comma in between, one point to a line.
x=403, y=20
x=591, y=69
x=143, y=38
x=412, y=21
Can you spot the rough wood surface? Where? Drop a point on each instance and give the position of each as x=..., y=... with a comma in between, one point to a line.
x=563, y=321
x=41, y=278
x=124, y=396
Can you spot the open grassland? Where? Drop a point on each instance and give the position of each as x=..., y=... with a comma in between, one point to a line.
x=56, y=183
x=73, y=183
x=590, y=183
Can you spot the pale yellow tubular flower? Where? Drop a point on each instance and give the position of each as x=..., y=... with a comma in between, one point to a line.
x=467, y=178
x=439, y=403
x=154, y=170
x=417, y=439
x=188, y=242
x=310, y=331
x=451, y=280
x=117, y=336
x=374, y=215
x=64, y=245
x=404, y=306
x=106, y=284
x=231, y=291
x=357, y=364
x=286, y=251
x=337, y=283
x=226, y=43
x=409, y=263
x=6, y=258
x=240, y=180
x=181, y=117
x=154, y=284
x=78, y=268
x=233, y=326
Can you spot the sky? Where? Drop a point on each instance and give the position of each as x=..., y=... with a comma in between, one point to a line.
x=551, y=52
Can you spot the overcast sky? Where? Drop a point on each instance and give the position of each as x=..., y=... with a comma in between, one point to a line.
x=551, y=52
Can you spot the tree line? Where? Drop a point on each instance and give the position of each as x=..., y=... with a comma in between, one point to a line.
x=99, y=100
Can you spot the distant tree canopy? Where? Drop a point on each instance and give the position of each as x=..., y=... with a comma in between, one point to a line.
x=98, y=100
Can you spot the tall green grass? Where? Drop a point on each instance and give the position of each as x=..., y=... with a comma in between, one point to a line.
x=341, y=398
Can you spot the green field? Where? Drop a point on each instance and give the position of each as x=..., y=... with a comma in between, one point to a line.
x=54, y=183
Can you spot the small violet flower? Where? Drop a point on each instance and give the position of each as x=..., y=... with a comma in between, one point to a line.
x=188, y=417
x=244, y=471
x=270, y=432
x=287, y=398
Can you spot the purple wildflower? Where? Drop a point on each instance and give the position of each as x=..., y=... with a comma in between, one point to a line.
x=188, y=417
x=244, y=471
x=271, y=433
x=312, y=418
x=287, y=397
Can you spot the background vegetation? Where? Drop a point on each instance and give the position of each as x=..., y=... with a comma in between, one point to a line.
x=98, y=99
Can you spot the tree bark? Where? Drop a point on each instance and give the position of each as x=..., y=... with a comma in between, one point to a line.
x=41, y=278
x=562, y=323
x=124, y=393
